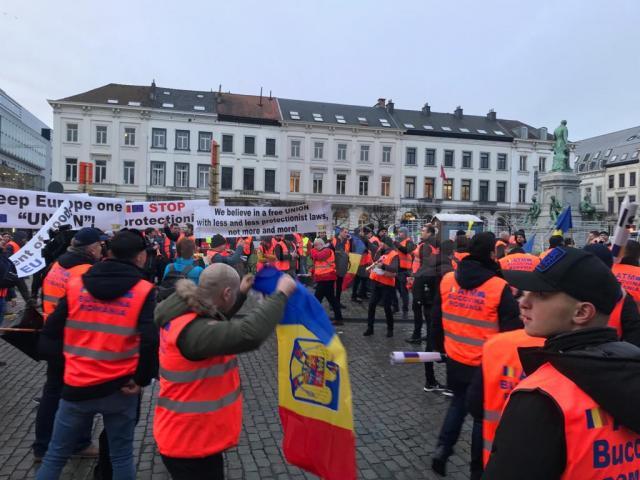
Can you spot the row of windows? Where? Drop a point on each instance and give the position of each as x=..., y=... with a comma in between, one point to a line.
x=181, y=180
x=182, y=139
x=411, y=156
x=621, y=180
x=410, y=191
x=611, y=203
x=183, y=143
x=101, y=138
x=181, y=175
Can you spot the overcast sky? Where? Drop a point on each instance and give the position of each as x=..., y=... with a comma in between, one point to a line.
x=536, y=61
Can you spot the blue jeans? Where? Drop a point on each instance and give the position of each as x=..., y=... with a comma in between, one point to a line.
x=47, y=412
x=74, y=418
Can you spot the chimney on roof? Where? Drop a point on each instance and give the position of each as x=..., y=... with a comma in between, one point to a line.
x=390, y=107
x=426, y=109
x=542, y=132
x=491, y=115
x=523, y=132
x=260, y=102
x=152, y=93
x=381, y=103
x=458, y=112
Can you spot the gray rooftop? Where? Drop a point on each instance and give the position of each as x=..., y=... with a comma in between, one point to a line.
x=611, y=149
x=304, y=111
x=182, y=100
x=425, y=122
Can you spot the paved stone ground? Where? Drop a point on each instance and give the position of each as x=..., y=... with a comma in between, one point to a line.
x=396, y=422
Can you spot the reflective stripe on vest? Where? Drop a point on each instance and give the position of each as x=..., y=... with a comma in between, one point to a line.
x=501, y=372
x=54, y=285
x=384, y=279
x=209, y=388
x=596, y=445
x=524, y=262
x=283, y=265
x=469, y=317
x=97, y=352
x=404, y=258
x=326, y=266
x=629, y=278
x=615, y=319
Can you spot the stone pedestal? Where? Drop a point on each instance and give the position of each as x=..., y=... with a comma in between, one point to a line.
x=565, y=187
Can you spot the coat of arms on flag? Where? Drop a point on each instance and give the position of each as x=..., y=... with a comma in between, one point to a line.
x=313, y=386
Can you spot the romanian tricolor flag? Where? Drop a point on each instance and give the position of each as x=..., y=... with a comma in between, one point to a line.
x=354, y=263
x=508, y=371
x=313, y=386
x=596, y=418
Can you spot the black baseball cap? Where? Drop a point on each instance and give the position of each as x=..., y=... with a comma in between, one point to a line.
x=87, y=236
x=575, y=272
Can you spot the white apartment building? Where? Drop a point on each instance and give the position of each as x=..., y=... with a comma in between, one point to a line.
x=607, y=166
x=369, y=162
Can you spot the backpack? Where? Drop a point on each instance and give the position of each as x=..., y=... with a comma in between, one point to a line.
x=168, y=285
x=8, y=273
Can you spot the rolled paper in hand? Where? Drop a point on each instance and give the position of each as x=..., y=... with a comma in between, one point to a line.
x=621, y=234
x=398, y=358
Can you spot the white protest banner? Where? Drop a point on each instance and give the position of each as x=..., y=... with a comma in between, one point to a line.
x=28, y=260
x=257, y=221
x=30, y=209
x=142, y=215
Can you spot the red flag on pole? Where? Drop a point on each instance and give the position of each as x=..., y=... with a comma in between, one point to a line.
x=443, y=175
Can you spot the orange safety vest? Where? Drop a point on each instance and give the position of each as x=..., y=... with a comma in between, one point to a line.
x=101, y=340
x=384, y=279
x=596, y=445
x=246, y=249
x=545, y=253
x=629, y=278
x=367, y=258
x=283, y=265
x=457, y=258
x=199, y=410
x=469, y=317
x=501, y=372
x=346, y=244
x=263, y=262
x=615, y=318
x=417, y=261
x=405, y=258
x=325, y=267
x=15, y=246
x=54, y=285
x=500, y=243
x=299, y=245
x=519, y=261
x=167, y=245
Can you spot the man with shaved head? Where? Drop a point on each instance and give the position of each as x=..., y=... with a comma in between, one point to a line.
x=199, y=410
